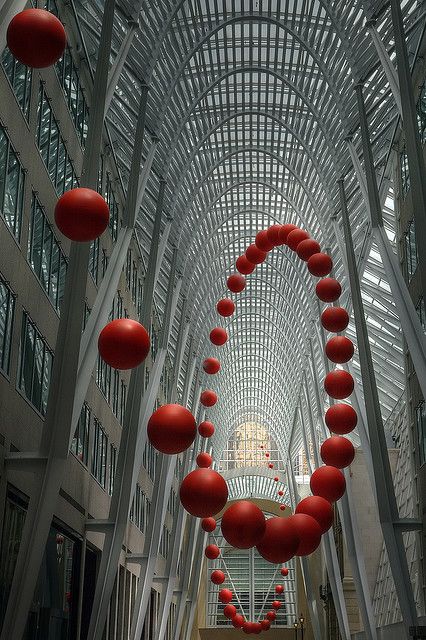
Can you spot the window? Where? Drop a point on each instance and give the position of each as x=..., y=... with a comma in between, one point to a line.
x=74, y=94
x=12, y=181
x=140, y=509
x=421, y=312
x=113, y=209
x=405, y=176
x=80, y=441
x=149, y=459
x=421, y=113
x=411, y=256
x=7, y=310
x=421, y=431
x=103, y=378
x=35, y=365
x=45, y=255
x=112, y=467
x=100, y=450
x=94, y=260
x=20, y=77
x=165, y=542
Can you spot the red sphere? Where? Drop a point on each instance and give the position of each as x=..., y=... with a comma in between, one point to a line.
x=284, y=231
x=81, y=214
x=335, y=319
x=237, y=621
x=265, y=624
x=225, y=307
x=295, y=237
x=280, y=493
x=262, y=242
x=280, y=541
x=320, y=264
x=271, y=615
x=208, y=398
x=225, y=596
x=282, y=507
x=244, y=266
x=123, y=343
x=337, y=452
x=267, y=455
x=339, y=349
x=309, y=532
x=276, y=479
x=211, y=365
x=273, y=234
x=206, y=429
x=236, y=283
x=284, y=570
x=256, y=627
x=248, y=627
x=171, y=429
x=255, y=255
x=279, y=588
x=328, y=482
x=339, y=384
x=36, y=38
x=212, y=552
x=208, y=524
x=341, y=418
x=307, y=248
x=204, y=460
x=217, y=577
x=218, y=336
x=317, y=508
x=229, y=611
x=270, y=465
x=328, y=289
x=276, y=604
x=203, y=493
x=243, y=524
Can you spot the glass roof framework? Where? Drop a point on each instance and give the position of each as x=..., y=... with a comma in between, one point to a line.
x=252, y=103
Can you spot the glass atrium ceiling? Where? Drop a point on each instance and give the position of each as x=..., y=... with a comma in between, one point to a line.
x=252, y=103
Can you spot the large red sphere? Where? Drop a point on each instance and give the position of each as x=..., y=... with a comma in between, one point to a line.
x=225, y=596
x=320, y=264
x=271, y=615
x=284, y=570
x=123, y=343
x=236, y=283
x=309, y=532
x=276, y=604
x=244, y=266
x=339, y=384
x=257, y=627
x=328, y=482
x=212, y=552
x=206, y=429
x=211, y=365
x=255, y=255
x=248, y=627
x=273, y=234
x=262, y=241
x=172, y=429
x=328, y=289
x=36, y=38
x=284, y=231
x=266, y=625
x=208, y=524
x=203, y=493
x=307, y=248
x=339, y=349
x=217, y=577
x=341, y=418
x=237, y=621
x=295, y=237
x=218, y=336
x=229, y=611
x=81, y=214
x=243, y=524
x=204, y=460
x=208, y=398
x=337, y=452
x=335, y=319
x=225, y=307
x=280, y=541
x=317, y=508
x=279, y=588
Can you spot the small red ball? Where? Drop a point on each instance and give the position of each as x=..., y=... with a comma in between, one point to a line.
x=276, y=604
x=317, y=508
x=320, y=264
x=171, y=429
x=267, y=455
x=295, y=237
x=256, y=627
x=271, y=615
x=243, y=524
x=337, y=452
x=212, y=552
x=280, y=541
x=208, y=398
x=204, y=460
x=248, y=627
x=237, y=621
x=309, y=532
x=282, y=507
x=328, y=290
x=36, y=38
x=218, y=336
x=217, y=577
x=266, y=625
x=262, y=242
x=255, y=255
x=328, y=482
x=341, y=418
x=284, y=231
x=208, y=524
x=284, y=571
x=276, y=479
x=339, y=384
x=225, y=596
x=279, y=588
x=236, y=283
x=206, y=429
x=273, y=234
x=229, y=611
x=244, y=266
x=81, y=214
x=270, y=465
x=335, y=319
x=307, y=248
x=211, y=365
x=225, y=307
x=203, y=493
x=339, y=349
x=123, y=343
x=280, y=493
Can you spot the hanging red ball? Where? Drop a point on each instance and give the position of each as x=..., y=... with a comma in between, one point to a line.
x=284, y=570
x=273, y=234
x=208, y=398
x=81, y=214
x=225, y=307
x=123, y=343
x=266, y=625
x=284, y=231
x=328, y=482
x=282, y=507
x=211, y=365
x=262, y=241
x=309, y=532
x=317, y=508
x=339, y=384
x=307, y=248
x=276, y=479
x=36, y=38
x=339, y=349
x=212, y=552
x=295, y=237
x=276, y=604
x=225, y=596
x=255, y=255
x=171, y=429
x=279, y=588
x=237, y=621
x=206, y=429
x=243, y=524
x=236, y=283
x=335, y=319
x=328, y=290
x=337, y=452
x=244, y=266
x=203, y=493
x=256, y=628
x=341, y=418
x=279, y=542
x=248, y=627
x=280, y=493
x=271, y=615
x=270, y=465
x=266, y=455
x=204, y=460
x=217, y=577
x=208, y=524
x=218, y=336
x=320, y=264
x=229, y=611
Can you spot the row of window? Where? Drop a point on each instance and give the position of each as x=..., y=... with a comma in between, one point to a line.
x=140, y=509
x=421, y=431
x=134, y=281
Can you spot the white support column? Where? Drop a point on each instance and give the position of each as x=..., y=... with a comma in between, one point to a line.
x=387, y=64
